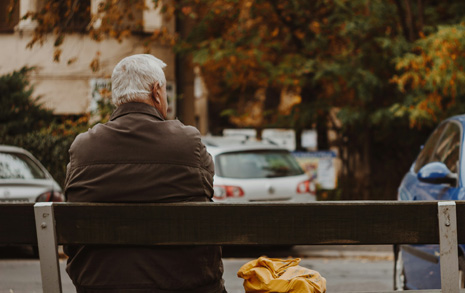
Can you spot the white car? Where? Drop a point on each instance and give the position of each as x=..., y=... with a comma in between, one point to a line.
x=24, y=179
x=252, y=171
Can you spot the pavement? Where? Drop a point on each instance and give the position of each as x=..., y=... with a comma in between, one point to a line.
x=346, y=267
x=329, y=260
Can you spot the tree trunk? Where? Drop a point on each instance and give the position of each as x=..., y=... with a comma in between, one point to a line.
x=421, y=15
x=298, y=139
x=402, y=19
x=185, y=79
x=409, y=21
x=322, y=131
x=365, y=179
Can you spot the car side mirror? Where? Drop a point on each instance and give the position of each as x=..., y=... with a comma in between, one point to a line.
x=437, y=173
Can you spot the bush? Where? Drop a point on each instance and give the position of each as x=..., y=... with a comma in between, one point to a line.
x=25, y=123
x=19, y=111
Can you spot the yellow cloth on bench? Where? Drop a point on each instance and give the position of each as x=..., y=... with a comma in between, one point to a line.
x=277, y=275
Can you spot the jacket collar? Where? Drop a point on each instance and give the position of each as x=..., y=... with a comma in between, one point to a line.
x=136, y=107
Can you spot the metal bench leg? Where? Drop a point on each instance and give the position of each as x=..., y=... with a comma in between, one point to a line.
x=448, y=246
x=48, y=249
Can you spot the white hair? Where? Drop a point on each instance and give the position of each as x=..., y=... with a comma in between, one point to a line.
x=134, y=76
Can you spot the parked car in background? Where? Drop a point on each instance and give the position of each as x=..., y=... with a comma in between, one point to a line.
x=24, y=179
x=437, y=174
x=252, y=171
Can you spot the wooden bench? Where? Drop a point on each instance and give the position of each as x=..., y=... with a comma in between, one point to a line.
x=351, y=222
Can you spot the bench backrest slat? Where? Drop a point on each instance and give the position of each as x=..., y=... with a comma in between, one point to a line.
x=17, y=225
x=373, y=222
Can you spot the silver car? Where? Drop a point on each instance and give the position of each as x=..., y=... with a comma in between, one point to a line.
x=253, y=171
x=24, y=179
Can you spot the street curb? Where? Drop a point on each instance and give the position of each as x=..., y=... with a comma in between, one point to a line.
x=349, y=254
x=344, y=251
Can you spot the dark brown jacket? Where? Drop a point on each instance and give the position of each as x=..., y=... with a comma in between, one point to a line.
x=139, y=157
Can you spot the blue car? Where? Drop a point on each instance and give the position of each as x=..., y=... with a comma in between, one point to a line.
x=436, y=174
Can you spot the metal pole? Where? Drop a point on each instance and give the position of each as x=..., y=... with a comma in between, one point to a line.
x=48, y=250
x=449, y=260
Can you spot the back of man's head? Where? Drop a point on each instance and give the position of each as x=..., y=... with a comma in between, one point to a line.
x=134, y=76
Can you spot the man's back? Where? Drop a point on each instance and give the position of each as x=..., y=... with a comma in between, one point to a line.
x=140, y=157
x=135, y=152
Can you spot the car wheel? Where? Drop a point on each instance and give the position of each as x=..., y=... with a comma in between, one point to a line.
x=399, y=272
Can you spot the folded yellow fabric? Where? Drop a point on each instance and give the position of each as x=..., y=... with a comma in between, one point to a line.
x=265, y=275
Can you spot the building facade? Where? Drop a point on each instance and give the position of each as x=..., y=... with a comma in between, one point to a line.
x=71, y=87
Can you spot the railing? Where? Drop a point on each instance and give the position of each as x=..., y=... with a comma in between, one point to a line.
x=352, y=222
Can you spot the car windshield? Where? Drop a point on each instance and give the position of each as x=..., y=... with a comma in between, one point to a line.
x=257, y=164
x=19, y=166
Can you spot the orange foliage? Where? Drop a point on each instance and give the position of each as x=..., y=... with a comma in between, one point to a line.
x=434, y=73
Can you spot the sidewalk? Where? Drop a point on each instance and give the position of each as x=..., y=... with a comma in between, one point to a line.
x=325, y=259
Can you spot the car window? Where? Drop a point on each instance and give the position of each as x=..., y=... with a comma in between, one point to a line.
x=448, y=148
x=426, y=153
x=257, y=164
x=442, y=146
x=19, y=166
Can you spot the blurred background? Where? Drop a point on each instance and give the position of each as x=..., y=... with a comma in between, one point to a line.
x=352, y=88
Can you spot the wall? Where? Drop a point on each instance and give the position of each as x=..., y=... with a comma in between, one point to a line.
x=66, y=88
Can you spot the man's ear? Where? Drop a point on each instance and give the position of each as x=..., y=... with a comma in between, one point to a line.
x=155, y=96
